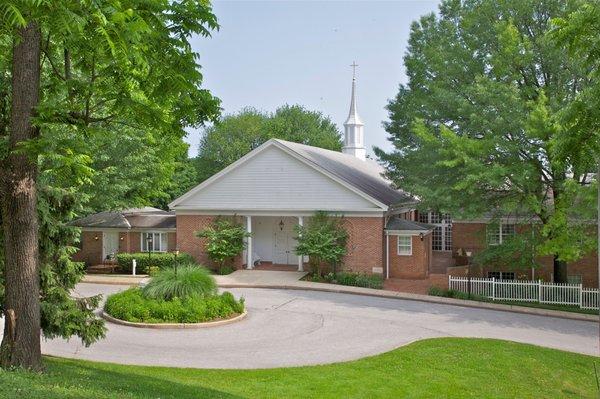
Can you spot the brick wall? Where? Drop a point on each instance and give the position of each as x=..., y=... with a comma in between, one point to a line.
x=415, y=266
x=91, y=248
x=187, y=226
x=472, y=237
x=365, y=244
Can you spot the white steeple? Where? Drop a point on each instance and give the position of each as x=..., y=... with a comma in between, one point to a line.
x=353, y=127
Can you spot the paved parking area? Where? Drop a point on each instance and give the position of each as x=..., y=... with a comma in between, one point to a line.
x=295, y=327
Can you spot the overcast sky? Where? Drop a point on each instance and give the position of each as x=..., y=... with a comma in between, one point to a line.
x=269, y=53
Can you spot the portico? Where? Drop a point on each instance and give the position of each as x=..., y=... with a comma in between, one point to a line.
x=272, y=240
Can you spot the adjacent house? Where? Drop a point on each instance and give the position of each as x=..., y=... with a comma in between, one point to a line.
x=105, y=234
x=282, y=184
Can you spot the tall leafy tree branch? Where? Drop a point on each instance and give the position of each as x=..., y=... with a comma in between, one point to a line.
x=475, y=129
x=84, y=76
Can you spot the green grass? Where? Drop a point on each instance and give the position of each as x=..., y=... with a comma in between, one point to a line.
x=435, y=368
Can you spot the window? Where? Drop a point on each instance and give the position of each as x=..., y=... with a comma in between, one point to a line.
x=575, y=279
x=442, y=233
x=498, y=233
x=159, y=242
x=404, y=245
x=502, y=275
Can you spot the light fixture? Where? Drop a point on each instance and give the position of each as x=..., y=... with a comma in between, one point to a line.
x=122, y=238
x=281, y=225
x=96, y=237
x=421, y=236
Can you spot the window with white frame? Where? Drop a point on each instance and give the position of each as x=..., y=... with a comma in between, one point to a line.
x=498, y=233
x=502, y=275
x=442, y=233
x=404, y=245
x=154, y=242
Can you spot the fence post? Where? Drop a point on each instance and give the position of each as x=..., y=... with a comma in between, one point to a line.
x=540, y=291
x=449, y=282
x=580, y=295
x=493, y=288
x=133, y=266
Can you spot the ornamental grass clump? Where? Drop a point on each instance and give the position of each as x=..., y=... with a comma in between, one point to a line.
x=186, y=281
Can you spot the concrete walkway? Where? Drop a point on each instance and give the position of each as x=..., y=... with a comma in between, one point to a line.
x=291, y=280
x=297, y=327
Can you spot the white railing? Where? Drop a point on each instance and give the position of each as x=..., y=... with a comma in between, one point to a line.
x=528, y=291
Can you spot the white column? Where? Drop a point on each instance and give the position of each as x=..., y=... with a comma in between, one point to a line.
x=249, y=262
x=300, y=257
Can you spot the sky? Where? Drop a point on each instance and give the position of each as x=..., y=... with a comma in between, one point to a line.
x=270, y=53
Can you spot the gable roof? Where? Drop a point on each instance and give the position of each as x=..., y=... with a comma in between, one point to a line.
x=363, y=177
x=134, y=218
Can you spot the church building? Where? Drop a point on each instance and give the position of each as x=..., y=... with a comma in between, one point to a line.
x=282, y=184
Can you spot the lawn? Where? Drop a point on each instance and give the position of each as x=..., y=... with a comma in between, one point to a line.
x=434, y=368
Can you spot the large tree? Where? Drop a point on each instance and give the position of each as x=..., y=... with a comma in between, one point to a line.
x=475, y=128
x=235, y=135
x=79, y=72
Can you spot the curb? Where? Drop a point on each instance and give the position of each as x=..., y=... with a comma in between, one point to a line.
x=339, y=289
x=174, y=326
x=433, y=299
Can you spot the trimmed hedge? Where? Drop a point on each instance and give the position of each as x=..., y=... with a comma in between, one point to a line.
x=131, y=305
x=162, y=260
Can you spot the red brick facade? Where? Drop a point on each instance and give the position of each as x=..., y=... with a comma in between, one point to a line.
x=415, y=266
x=472, y=237
x=365, y=244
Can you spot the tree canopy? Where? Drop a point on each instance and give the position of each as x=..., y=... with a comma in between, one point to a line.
x=94, y=102
x=475, y=129
x=233, y=136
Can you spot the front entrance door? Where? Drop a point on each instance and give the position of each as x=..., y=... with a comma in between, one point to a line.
x=284, y=242
x=110, y=243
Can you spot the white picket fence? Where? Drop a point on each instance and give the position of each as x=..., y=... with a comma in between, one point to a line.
x=528, y=291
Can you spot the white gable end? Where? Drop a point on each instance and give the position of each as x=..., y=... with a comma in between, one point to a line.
x=275, y=180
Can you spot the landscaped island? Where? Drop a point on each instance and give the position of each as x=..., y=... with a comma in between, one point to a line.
x=185, y=294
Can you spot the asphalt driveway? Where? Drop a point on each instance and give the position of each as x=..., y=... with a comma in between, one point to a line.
x=293, y=327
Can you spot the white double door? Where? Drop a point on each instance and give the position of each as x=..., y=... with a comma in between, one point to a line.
x=284, y=241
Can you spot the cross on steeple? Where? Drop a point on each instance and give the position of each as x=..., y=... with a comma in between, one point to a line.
x=354, y=65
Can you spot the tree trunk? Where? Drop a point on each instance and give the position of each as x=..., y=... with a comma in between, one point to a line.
x=560, y=270
x=21, y=342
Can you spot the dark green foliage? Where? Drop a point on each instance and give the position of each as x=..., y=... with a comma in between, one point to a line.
x=356, y=279
x=233, y=136
x=186, y=281
x=477, y=128
x=323, y=239
x=144, y=261
x=132, y=305
x=224, y=241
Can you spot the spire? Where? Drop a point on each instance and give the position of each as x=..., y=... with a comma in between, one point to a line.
x=353, y=117
x=353, y=127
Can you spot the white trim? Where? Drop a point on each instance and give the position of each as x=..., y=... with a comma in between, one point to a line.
x=125, y=230
x=258, y=150
x=160, y=234
x=276, y=212
x=398, y=244
x=408, y=232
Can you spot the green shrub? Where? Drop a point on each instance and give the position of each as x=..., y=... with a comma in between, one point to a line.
x=323, y=240
x=356, y=279
x=132, y=305
x=224, y=241
x=186, y=281
x=437, y=291
x=225, y=270
x=162, y=260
